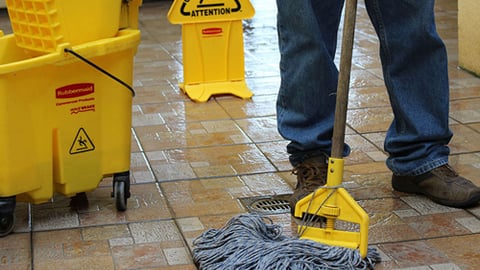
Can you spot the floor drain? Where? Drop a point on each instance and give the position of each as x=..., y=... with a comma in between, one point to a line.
x=277, y=204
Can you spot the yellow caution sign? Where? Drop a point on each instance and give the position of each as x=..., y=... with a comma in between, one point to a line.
x=212, y=45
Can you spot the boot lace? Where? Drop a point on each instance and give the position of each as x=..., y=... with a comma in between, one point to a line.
x=310, y=174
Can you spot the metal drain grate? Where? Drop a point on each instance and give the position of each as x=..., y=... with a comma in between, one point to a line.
x=277, y=204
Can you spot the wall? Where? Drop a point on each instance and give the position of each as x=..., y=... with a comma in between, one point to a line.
x=469, y=35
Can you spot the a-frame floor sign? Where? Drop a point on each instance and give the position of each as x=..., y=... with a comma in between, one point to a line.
x=212, y=46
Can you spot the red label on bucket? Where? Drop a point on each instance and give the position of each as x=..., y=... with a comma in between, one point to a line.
x=75, y=90
x=212, y=31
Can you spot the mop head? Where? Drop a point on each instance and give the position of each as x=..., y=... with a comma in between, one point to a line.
x=248, y=242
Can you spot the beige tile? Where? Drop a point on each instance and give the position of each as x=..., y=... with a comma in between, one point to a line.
x=139, y=169
x=65, y=249
x=194, y=198
x=260, y=129
x=464, y=139
x=177, y=256
x=458, y=92
x=84, y=263
x=15, y=250
x=414, y=254
x=471, y=223
x=475, y=127
x=54, y=218
x=266, y=184
x=257, y=106
x=158, y=231
x=267, y=86
x=139, y=256
x=465, y=111
x=186, y=135
x=465, y=256
x=363, y=78
x=438, y=225
x=105, y=232
x=139, y=118
x=190, y=224
x=425, y=206
x=367, y=61
x=361, y=149
x=86, y=249
x=146, y=203
x=209, y=162
x=22, y=217
x=370, y=119
x=276, y=152
x=187, y=111
x=368, y=97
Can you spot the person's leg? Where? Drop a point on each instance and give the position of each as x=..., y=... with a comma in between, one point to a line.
x=307, y=33
x=415, y=71
x=414, y=61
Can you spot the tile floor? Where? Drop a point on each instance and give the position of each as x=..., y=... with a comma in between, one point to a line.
x=192, y=162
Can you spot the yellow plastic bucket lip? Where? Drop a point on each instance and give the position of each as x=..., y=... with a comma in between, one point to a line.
x=125, y=39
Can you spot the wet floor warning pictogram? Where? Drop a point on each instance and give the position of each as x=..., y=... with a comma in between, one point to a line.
x=82, y=143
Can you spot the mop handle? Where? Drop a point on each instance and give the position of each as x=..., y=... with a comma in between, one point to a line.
x=338, y=139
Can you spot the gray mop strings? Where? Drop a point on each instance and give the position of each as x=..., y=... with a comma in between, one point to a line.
x=247, y=242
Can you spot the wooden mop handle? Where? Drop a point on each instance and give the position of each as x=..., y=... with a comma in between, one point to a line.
x=338, y=139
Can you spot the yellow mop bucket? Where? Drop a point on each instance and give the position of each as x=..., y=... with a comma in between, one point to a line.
x=63, y=124
x=65, y=100
x=58, y=112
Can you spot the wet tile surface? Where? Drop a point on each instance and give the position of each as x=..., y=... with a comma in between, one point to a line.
x=191, y=163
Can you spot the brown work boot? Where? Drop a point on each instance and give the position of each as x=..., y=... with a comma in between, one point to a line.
x=311, y=174
x=442, y=185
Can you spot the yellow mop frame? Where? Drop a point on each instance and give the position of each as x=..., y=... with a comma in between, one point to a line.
x=332, y=201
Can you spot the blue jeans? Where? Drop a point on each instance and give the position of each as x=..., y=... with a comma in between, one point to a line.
x=414, y=62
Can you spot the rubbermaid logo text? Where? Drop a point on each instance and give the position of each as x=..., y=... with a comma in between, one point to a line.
x=75, y=90
x=212, y=31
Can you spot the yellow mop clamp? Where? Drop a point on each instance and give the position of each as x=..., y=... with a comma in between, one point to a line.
x=332, y=201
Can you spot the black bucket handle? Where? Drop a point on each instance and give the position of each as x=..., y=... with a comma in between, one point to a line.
x=67, y=50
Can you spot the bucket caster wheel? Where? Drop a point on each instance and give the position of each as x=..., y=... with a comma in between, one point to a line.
x=121, y=190
x=7, y=222
x=119, y=195
x=7, y=215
